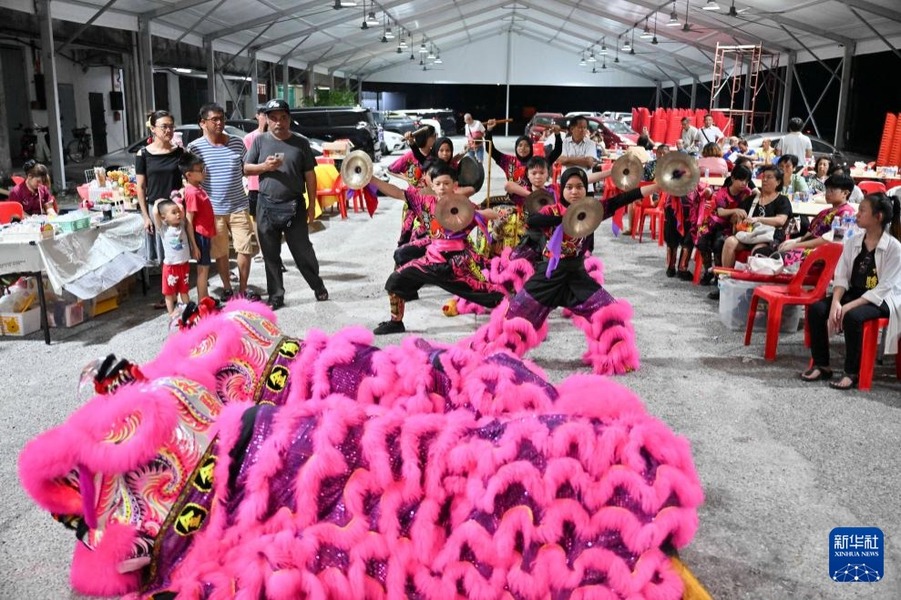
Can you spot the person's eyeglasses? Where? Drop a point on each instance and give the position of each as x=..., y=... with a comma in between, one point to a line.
x=166, y=127
x=215, y=119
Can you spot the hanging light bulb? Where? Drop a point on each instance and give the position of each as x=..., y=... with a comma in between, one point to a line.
x=385, y=31
x=422, y=48
x=582, y=62
x=654, y=40
x=604, y=65
x=591, y=57
x=594, y=70
x=627, y=46
x=365, y=25
x=711, y=5
x=603, y=46
x=390, y=33
x=371, y=19
x=402, y=43
x=421, y=63
x=400, y=50
x=438, y=60
x=431, y=54
x=673, y=17
x=412, y=57
x=646, y=34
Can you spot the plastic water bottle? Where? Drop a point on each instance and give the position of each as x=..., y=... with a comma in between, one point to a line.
x=838, y=232
x=707, y=173
x=848, y=225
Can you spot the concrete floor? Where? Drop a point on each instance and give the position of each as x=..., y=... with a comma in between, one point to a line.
x=782, y=462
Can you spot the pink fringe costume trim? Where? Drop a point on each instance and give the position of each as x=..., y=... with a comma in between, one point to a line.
x=420, y=470
x=516, y=335
x=502, y=270
x=611, y=339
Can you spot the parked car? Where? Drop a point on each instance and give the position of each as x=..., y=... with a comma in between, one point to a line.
x=392, y=142
x=820, y=148
x=332, y=123
x=125, y=157
x=394, y=121
x=444, y=116
x=613, y=132
x=247, y=125
x=541, y=121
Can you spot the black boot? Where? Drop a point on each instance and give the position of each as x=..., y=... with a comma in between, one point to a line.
x=670, y=262
x=684, y=256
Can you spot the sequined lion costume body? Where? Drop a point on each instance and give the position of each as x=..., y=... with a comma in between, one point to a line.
x=243, y=463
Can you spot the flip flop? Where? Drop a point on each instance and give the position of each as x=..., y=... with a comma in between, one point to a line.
x=837, y=385
x=822, y=375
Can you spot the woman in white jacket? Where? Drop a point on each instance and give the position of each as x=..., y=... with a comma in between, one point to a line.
x=867, y=286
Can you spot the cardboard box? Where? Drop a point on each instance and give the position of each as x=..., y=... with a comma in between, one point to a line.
x=62, y=314
x=20, y=324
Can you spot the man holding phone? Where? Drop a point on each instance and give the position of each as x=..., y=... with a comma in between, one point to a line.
x=284, y=162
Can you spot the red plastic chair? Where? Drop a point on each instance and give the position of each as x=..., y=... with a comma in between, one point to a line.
x=656, y=214
x=780, y=296
x=871, y=187
x=868, y=353
x=338, y=189
x=10, y=209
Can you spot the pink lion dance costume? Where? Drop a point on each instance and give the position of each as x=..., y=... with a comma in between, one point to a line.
x=243, y=463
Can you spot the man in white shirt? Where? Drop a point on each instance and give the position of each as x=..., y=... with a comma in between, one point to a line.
x=475, y=136
x=690, y=137
x=795, y=142
x=578, y=149
x=710, y=133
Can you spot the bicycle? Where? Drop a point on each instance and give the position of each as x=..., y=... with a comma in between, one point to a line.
x=80, y=147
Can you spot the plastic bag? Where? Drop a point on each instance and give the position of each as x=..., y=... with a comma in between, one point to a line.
x=766, y=265
x=761, y=234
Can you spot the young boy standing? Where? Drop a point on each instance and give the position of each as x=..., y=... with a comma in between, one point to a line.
x=199, y=212
x=169, y=221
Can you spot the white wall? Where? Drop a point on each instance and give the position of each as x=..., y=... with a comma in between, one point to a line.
x=94, y=79
x=532, y=63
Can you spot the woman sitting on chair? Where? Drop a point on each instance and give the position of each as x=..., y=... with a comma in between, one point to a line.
x=712, y=160
x=867, y=286
x=34, y=193
x=838, y=189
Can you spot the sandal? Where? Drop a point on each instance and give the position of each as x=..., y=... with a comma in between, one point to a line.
x=837, y=385
x=822, y=374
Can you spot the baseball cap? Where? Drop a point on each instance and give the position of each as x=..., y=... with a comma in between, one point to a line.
x=276, y=104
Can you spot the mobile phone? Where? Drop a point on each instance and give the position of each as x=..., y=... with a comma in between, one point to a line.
x=279, y=155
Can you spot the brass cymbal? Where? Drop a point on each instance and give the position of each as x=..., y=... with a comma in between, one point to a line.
x=677, y=173
x=537, y=200
x=356, y=170
x=582, y=218
x=627, y=172
x=455, y=212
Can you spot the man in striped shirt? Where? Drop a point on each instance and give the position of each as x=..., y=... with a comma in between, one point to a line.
x=223, y=155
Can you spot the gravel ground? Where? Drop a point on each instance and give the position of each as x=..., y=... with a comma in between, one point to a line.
x=782, y=462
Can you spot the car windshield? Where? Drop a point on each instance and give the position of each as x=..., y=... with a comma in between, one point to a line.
x=544, y=120
x=618, y=127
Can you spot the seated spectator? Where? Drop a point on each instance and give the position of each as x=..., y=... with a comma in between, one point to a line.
x=745, y=150
x=867, y=286
x=857, y=194
x=744, y=161
x=730, y=149
x=770, y=208
x=817, y=179
x=718, y=226
x=712, y=160
x=791, y=181
x=838, y=190
x=767, y=153
x=34, y=193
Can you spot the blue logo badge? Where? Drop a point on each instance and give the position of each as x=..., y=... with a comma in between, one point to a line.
x=856, y=554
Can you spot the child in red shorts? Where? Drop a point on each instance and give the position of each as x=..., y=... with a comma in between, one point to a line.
x=199, y=212
x=169, y=221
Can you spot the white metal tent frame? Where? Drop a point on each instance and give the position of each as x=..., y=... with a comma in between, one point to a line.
x=318, y=36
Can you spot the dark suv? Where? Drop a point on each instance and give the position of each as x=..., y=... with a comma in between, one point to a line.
x=392, y=121
x=332, y=123
x=444, y=116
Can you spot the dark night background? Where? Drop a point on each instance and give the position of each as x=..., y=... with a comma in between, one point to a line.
x=869, y=100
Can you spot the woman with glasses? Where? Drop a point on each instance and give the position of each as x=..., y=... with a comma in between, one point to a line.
x=771, y=207
x=157, y=174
